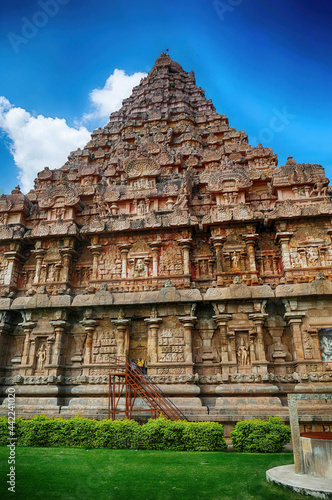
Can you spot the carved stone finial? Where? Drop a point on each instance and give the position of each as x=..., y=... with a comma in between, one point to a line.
x=154, y=313
x=121, y=314
x=320, y=276
x=168, y=283
x=17, y=190
x=290, y=161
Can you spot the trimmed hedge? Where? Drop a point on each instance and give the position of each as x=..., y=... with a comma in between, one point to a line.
x=260, y=436
x=159, y=434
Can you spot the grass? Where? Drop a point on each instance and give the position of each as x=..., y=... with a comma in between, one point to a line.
x=103, y=474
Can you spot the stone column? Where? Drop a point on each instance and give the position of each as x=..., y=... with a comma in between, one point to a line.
x=186, y=245
x=218, y=242
x=124, y=249
x=284, y=239
x=122, y=335
x=59, y=330
x=153, y=327
x=259, y=319
x=250, y=240
x=89, y=327
x=96, y=251
x=188, y=325
x=39, y=254
x=222, y=320
x=294, y=320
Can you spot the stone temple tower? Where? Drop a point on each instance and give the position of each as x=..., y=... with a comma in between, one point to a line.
x=169, y=238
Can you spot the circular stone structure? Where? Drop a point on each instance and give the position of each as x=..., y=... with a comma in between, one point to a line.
x=304, y=484
x=317, y=454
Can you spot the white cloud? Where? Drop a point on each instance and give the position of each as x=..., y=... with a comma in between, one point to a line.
x=118, y=86
x=39, y=141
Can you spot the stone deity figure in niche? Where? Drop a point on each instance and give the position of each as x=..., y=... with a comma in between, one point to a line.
x=326, y=347
x=243, y=353
x=139, y=267
x=41, y=357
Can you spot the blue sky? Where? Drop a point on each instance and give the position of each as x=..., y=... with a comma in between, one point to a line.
x=265, y=64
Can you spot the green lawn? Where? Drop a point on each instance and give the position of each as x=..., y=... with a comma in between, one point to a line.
x=103, y=474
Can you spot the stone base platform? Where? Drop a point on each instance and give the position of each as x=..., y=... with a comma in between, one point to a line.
x=301, y=483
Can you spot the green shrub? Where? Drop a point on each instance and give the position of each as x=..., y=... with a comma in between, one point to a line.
x=162, y=434
x=117, y=434
x=159, y=434
x=260, y=436
x=204, y=436
x=3, y=431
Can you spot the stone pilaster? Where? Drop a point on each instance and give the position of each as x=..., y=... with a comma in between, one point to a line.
x=153, y=327
x=188, y=323
x=250, y=241
x=155, y=254
x=27, y=359
x=67, y=254
x=259, y=320
x=96, y=251
x=218, y=242
x=49, y=348
x=122, y=335
x=39, y=255
x=124, y=249
x=186, y=246
x=5, y=330
x=59, y=330
x=294, y=320
x=89, y=327
x=222, y=321
x=284, y=238
x=14, y=257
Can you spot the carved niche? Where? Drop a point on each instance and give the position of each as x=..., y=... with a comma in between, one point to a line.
x=138, y=340
x=325, y=341
x=228, y=184
x=140, y=260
